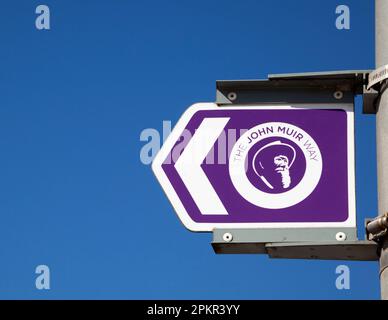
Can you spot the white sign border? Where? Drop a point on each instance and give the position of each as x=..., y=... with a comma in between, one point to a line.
x=209, y=227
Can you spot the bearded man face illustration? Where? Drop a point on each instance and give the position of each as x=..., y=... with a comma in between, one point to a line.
x=282, y=167
x=273, y=165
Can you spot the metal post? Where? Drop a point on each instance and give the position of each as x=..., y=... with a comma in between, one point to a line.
x=381, y=7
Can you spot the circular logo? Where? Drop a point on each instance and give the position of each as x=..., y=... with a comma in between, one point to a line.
x=275, y=165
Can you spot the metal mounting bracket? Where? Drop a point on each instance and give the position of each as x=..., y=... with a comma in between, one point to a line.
x=313, y=87
x=303, y=88
x=377, y=228
x=296, y=243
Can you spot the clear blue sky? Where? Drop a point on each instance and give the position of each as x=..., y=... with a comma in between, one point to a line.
x=73, y=101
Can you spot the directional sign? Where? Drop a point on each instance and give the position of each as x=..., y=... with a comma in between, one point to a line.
x=261, y=166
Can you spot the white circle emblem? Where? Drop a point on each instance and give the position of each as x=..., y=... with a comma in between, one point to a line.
x=238, y=165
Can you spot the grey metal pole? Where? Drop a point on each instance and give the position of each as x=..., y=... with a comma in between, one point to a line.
x=381, y=7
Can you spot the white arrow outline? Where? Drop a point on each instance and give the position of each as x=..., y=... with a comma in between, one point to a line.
x=189, y=168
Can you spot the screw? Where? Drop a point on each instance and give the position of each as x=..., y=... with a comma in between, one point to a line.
x=227, y=237
x=340, y=236
x=338, y=95
x=232, y=96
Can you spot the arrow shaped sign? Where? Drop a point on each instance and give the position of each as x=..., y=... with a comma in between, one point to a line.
x=260, y=167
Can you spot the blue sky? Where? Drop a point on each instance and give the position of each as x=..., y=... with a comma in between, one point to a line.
x=74, y=194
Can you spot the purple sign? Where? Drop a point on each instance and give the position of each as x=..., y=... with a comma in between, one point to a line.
x=260, y=167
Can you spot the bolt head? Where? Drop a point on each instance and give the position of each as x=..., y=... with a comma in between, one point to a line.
x=338, y=95
x=232, y=96
x=340, y=236
x=227, y=237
